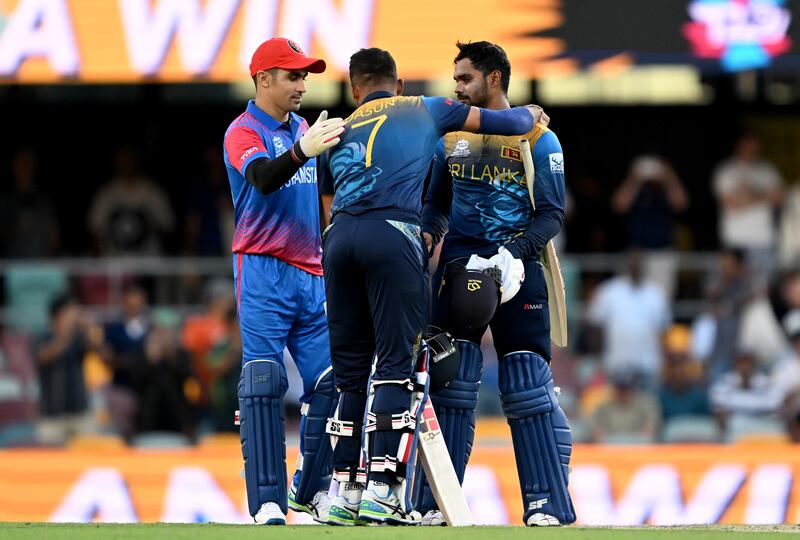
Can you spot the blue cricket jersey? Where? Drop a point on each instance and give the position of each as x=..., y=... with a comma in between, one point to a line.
x=283, y=224
x=385, y=154
x=478, y=182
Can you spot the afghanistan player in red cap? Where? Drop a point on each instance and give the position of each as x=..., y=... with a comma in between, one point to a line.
x=270, y=157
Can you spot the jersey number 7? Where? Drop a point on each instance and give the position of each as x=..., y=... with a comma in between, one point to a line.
x=378, y=121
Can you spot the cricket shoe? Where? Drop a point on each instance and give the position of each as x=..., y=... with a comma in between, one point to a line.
x=318, y=507
x=344, y=507
x=270, y=514
x=542, y=520
x=433, y=518
x=380, y=504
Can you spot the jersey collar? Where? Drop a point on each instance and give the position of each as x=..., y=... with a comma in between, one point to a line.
x=264, y=118
x=376, y=95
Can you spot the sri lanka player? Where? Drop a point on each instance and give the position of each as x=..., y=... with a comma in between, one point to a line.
x=478, y=189
x=376, y=275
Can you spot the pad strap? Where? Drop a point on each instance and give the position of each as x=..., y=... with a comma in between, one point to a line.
x=353, y=474
x=403, y=421
x=344, y=428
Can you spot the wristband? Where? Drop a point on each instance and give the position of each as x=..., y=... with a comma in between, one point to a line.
x=297, y=153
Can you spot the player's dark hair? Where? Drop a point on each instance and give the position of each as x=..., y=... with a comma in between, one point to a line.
x=486, y=57
x=372, y=66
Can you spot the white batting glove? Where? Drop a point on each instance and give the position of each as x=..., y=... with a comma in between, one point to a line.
x=513, y=273
x=322, y=135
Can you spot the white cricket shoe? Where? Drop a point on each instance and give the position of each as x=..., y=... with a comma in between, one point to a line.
x=380, y=504
x=344, y=507
x=270, y=514
x=542, y=520
x=433, y=518
x=318, y=507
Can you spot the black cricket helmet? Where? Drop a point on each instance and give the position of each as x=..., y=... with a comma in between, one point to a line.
x=470, y=296
x=444, y=360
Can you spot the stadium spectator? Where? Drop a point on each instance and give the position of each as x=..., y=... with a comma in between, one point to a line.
x=682, y=392
x=125, y=338
x=208, y=222
x=789, y=248
x=632, y=314
x=649, y=199
x=131, y=214
x=728, y=294
x=630, y=415
x=588, y=222
x=786, y=377
x=749, y=189
x=18, y=389
x=63, y=402
x=28, y=225
x=159, y=380
x=223, y=363
x=744, y=392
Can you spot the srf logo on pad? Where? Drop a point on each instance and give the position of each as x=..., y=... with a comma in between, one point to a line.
x=473, y=285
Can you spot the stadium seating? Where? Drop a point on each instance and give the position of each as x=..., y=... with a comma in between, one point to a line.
x=691, y=429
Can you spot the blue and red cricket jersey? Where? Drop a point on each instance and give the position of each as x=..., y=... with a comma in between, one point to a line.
x=283, y=224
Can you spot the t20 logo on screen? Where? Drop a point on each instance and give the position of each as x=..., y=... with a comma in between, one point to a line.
x=743, y=34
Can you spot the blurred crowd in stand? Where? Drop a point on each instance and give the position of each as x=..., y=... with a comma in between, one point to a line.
x=634, y=372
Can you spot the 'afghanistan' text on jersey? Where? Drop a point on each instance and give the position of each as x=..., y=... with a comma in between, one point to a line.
x=285, y=223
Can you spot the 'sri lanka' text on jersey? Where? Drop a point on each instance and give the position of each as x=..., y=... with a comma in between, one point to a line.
x=283, y=224
x=490, y=203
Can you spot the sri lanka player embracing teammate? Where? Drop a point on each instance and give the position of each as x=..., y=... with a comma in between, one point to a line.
x=478, y=190
x=376, y=276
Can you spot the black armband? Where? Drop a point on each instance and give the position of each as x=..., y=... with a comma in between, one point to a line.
x=268, y=175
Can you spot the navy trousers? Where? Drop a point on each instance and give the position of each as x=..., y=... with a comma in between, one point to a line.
x=377, y=292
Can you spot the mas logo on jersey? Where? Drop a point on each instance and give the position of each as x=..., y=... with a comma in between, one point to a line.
x=510, y=153
x=557, y=162
x=461, y=149
x=278, y=144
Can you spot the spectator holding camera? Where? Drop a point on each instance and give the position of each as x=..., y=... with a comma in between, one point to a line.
x=60, y=352
x=650, y=199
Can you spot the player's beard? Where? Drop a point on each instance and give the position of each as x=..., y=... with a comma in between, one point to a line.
x=477, y=98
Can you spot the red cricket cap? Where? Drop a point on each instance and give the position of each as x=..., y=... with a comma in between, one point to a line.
x=285, y=54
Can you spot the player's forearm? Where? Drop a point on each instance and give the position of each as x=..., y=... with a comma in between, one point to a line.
x=515, y=121
x=268, y=175
x=434, y=222
x=543, y=228
x=438, y=200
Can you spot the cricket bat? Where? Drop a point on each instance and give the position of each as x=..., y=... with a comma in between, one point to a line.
x=556, y=295
x=439, y=471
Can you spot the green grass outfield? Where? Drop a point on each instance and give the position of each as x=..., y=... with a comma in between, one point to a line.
x=305, y=532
